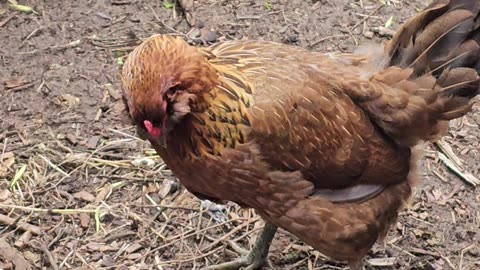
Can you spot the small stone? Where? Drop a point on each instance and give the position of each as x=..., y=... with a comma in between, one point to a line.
x=84, y=220
x=134, y=19
x=292, y=38
x=199, y=24
x=369, y=34
x=194, y=33
x=208, y=35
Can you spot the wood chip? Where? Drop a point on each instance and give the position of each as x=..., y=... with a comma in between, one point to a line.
x=134, y=256
x=11, y=254
x=72, y=139
x=92, y=142
x=133, y=247
x=84, y=220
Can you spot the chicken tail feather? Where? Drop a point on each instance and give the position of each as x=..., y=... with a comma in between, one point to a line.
x=445, y=35
x=432, y=74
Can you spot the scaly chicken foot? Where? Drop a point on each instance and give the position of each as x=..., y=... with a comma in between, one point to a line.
x=254, y=259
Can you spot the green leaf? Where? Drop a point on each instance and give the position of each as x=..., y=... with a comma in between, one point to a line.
x=389, y=22
x=23, y=8
x=267, y=5
x=168, y=4
x=18, y=176
x=120, y=61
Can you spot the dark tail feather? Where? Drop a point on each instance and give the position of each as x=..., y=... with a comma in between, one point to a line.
x=443, y=41
x=434, y=63
x=445, y=35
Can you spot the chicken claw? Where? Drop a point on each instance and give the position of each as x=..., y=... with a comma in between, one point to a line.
x=254, y=259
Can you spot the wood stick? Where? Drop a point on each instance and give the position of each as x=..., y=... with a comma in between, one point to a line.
x=21, y=225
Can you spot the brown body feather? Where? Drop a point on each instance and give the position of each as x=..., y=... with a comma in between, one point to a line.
x=319, y=144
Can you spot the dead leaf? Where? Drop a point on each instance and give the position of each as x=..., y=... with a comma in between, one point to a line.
x=5, y=195
x=7, y=162
x=32, y=257
x=151, y=188
x=69, y=100
x=14, y=82
x=119, y=107
x=84, y=220
x=8, y=155
x=460, y=211
x=84, y=196
x=102, y=195
x=452, y=193
x=114, y=93
x=418, y=232
x=433, y=241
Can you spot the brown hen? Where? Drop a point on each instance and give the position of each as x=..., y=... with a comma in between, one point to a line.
x=321, y=145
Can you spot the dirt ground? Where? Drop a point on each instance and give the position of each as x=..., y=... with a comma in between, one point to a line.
x=79, y=191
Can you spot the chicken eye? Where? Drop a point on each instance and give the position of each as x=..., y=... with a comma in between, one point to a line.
x=170, y=98
x=172, y=91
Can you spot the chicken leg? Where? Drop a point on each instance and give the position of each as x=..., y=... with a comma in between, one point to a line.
x=256, y=257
